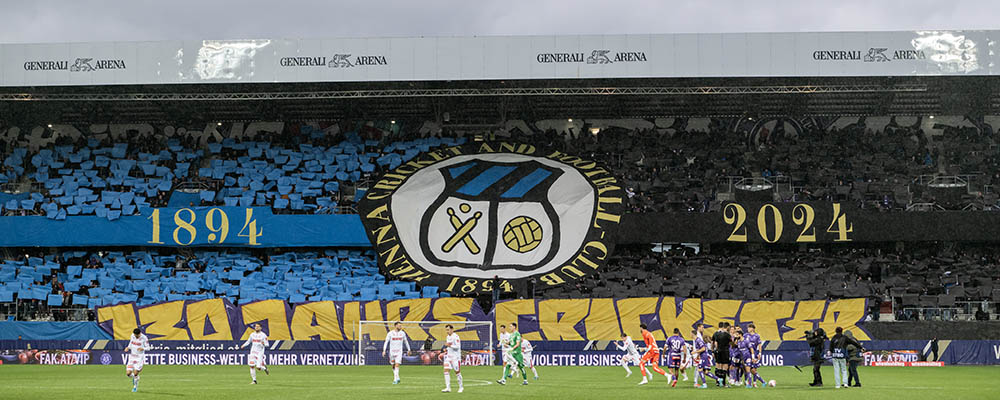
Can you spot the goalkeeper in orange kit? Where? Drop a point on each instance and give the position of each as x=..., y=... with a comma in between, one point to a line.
x=652, y=356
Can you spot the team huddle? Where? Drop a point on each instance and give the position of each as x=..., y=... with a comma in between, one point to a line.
x=736, y=356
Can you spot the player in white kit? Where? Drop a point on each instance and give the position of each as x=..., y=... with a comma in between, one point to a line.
x=259, y=342
x=687, y=360
x=452, y=358
x=137, y=346
x=526, y=350
x=395, y=340
x=631, y=353
x=504, y=338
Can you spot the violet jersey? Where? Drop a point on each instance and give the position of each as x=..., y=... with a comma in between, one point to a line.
x=754, y=340
x=705, y=355
x=745, y=351
x=675, y=346
x=137, y=346
x=394, y=341
x=257, y=342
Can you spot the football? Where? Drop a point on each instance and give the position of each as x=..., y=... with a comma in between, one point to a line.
x=771, y=383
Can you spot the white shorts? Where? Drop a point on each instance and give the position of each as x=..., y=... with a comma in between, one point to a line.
x=508, y=359
x=396, y=358
x=256, y=359
x=135, y=363
x=527, y=359
x=632, y=358
x=454, y=363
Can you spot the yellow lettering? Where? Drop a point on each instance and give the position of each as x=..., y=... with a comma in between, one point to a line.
x=212, y=310
x=160, y=319
x=381, y=232
x=508, y=311
x=378, y=213
x=273, y=311
x=557, y=318
x=122, y=319
x=551, y=279
x=416, y=310
x=327, y=325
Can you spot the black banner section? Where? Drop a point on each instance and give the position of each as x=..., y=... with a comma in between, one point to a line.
x=459, y=216
x=814, y=222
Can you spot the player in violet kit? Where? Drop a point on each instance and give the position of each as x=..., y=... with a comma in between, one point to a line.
x=738, y=356
x=755, y=347
x=703, y=358
x=735, y=356
x=674, y=347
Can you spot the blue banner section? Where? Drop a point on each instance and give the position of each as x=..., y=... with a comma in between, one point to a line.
x=195, y=226
x=54, y=331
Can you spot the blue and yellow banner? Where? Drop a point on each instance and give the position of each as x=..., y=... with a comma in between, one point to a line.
x=544, y=320
x=193, y=226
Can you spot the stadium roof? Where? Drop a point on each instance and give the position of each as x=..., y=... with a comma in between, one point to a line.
x=491, y=102
x=484, y=80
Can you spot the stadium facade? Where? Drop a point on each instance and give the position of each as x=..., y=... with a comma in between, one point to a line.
x=487, y=87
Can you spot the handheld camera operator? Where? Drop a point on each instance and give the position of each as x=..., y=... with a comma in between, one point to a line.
x=816, y=339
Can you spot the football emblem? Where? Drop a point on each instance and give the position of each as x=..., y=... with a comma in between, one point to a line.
x=462, y=215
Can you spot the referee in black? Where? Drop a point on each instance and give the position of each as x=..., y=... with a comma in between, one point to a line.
x=721, y=340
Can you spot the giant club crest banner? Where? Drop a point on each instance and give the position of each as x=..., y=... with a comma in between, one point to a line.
x=458, y=216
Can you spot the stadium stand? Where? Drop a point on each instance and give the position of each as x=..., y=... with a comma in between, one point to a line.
x=115, y=178
x=71, y=282
x=301, y=169
x=305, y=168
x=930, y=282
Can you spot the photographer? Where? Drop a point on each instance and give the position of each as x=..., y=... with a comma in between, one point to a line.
x=816, y=339
x=838, y=350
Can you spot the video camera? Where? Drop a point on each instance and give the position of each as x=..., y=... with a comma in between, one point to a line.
x=818, y=333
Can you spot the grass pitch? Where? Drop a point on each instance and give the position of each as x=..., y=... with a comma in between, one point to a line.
x=426, y=382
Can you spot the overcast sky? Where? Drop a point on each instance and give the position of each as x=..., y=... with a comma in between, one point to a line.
x=33, y=21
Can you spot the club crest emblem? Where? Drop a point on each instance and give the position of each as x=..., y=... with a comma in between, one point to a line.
x=460, y=215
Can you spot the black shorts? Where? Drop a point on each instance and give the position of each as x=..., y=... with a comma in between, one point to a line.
x=722, y=357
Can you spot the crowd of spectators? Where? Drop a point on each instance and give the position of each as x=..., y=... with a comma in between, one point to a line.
x=48, y=284
x=665, y=170
x=917, y=278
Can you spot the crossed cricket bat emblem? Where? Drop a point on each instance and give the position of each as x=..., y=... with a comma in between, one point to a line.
x=463, y=229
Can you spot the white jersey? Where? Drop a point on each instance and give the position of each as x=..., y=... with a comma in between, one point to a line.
x=504, y=341
x=137, y=346
x=525, y=346
x=395, y=341
x=454, y=345
x=629, y=346
x=257, y=341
